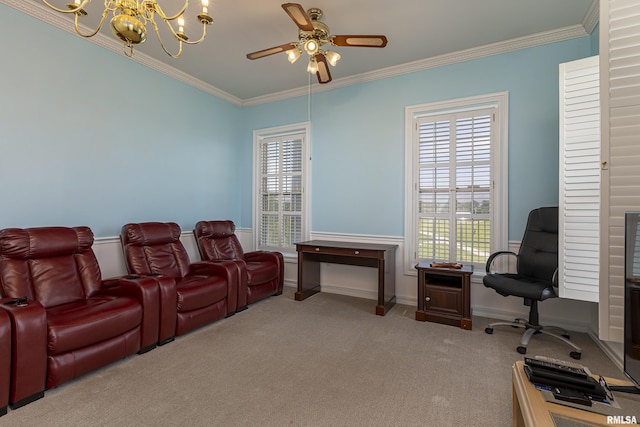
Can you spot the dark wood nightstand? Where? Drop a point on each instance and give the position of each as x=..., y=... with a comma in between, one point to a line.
x=444, y=294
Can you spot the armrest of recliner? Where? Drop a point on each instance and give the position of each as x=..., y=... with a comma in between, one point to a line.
x=146, y=291
x=242, y=281
x=258, y=256
x=493, y=256
x=29, y=351
x=168, y=307
x=226, y=269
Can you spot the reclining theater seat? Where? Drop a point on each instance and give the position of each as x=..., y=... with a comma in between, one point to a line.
x=261, y=272
x=72, y=322
x=5, y=360
x=205, y=292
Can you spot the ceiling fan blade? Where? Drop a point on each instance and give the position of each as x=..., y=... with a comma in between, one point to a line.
x=324, y=76
x=298, y=15
x=361, y=41
x=270, y=51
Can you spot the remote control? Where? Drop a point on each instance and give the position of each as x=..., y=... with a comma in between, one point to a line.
x=561, y=362
x=544, y=364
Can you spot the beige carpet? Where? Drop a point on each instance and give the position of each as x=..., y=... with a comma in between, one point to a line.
x=325, y=361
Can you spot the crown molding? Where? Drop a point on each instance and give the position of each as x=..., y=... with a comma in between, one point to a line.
x=45, y=14
x=592, y=17
x=567, y=33
x=49, y=16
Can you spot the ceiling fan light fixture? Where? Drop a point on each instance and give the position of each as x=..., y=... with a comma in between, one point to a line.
x=313, y=65
x=311, y=46
x=294, y=54
x=332, y=57
x=312, y=35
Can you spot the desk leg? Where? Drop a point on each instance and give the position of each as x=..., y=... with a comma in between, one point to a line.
x=308, y=277
x=386, y=285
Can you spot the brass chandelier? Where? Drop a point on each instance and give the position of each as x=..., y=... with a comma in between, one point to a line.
x=130, y=19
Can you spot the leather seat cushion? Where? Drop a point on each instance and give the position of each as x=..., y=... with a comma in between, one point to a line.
x=197, y=291
x=260, y=273
x=82, y=323
x=520, y=286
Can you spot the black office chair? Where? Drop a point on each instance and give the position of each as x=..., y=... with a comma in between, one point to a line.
x=535, y=278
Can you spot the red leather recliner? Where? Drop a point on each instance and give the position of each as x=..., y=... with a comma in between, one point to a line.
x=261, y=272
x=72, y=322
x=205, y=292
x=5, y=361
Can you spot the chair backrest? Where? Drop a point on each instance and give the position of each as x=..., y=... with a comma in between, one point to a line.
x=155, y=248
x=53, y=265
x=217, y=240
x=538, y=254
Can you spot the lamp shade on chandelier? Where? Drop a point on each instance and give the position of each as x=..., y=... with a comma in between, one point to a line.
x=130, y=19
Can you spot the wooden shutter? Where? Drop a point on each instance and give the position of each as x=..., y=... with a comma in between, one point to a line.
x=620, y=89
x=579, y=201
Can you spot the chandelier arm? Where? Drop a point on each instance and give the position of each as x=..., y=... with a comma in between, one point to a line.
x=73, y=10
x=174, y=32
x=204, y=34
x=173, y=55
x=75, y=20
x=171, y=18
x=181, y=36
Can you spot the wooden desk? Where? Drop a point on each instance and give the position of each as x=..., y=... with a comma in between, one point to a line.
x=383, y=257
x=531, y=410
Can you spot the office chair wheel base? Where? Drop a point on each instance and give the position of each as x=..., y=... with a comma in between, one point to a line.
x=488, y=330
x=575, y=355
x=522, y=350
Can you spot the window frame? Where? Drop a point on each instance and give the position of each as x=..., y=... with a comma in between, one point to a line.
x=499, y=169
x=304, y=130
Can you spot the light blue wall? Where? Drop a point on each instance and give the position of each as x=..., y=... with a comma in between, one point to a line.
x=90, y=137
x=595, y=41
x=358, y=137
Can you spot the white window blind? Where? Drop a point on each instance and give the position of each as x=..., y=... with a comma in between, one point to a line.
x=579, y=204
x=454, y=186
x=280, y=191
x=620, y=89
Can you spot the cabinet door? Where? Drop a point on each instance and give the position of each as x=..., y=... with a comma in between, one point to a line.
x=443, y=299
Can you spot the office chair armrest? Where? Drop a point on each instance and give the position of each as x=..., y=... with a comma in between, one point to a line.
x=493, y=256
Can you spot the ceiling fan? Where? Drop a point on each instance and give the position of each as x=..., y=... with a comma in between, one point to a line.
x=312, y=35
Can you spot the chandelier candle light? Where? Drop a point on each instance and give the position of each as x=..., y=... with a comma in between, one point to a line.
x=130, y=19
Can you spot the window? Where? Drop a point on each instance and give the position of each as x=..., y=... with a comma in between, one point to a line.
x=280, y=187
x=456, y=181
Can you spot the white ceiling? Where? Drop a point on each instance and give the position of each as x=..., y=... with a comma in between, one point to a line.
x=419, y=31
